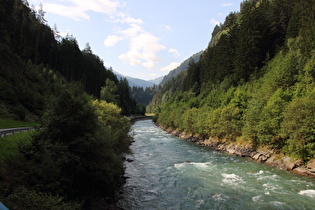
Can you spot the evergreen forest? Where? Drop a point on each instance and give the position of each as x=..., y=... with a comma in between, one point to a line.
x=254, y=84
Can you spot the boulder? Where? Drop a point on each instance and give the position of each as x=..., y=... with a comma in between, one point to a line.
x=301, y=171
x=299, y=163
x=256, y=156
x=230, y=150
x=311, y=164
x=289, y=165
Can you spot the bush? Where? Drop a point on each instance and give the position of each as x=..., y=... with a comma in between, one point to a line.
x=110, y=116
x=23, y=198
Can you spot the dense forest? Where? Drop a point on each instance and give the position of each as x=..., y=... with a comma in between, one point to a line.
x=142, y=95
x=74, y=159
x=255, y=82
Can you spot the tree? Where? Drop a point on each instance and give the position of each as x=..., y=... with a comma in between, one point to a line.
x=73, y=154
x=109, y=92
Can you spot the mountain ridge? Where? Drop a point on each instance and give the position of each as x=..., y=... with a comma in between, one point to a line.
x=135, y=82
x=182, y=67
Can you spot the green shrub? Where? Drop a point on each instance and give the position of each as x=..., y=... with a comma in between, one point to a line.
x=23, y=198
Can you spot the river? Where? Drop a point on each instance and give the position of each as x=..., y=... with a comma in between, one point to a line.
x=169, y=173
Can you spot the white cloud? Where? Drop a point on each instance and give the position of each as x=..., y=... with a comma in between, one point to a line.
x=132, y=31
x=123, y=17
x=79, y=8
x=71, y=12
x=165, y=27
x=112, y=40
x=176, y=53
x=101, y=6
x=143, y=48
x=227, y=5
x=152, y=75
x=170, y=67
x=214, y=21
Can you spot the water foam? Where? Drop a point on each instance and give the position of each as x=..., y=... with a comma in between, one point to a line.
x=259, y=173
x=232, y=179
x=270, y=187
x=271, y=177
x=220, y=197
x=309, y=193
x=277, y=203
x=258, y=199
x=201, y=165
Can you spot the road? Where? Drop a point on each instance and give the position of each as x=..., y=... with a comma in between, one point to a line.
x=9, y=131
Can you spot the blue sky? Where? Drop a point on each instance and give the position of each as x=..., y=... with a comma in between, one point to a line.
x=139, y=38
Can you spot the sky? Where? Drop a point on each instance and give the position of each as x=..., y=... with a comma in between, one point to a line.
x=143, y=39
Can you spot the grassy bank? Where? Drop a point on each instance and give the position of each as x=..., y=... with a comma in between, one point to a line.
x=9, y=144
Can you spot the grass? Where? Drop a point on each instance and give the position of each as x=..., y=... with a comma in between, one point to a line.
x=9, y=144
x=9, y=123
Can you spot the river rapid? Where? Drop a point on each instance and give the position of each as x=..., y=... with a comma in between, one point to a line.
x=169, y=173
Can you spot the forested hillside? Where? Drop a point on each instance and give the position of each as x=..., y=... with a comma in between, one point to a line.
x=182, y=67
x=143, y=95
x=255, y=83
x=33, y=56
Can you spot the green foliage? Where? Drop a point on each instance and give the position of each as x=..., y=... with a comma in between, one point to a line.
x=299, y=127
x=9, y=144
x=22, y=93
x=109, y=92
x=110, y=116
x=9, y=123
x=67, y=146
x=23, y=198
x=143, y=96
x=271, y=116
x=189, y=118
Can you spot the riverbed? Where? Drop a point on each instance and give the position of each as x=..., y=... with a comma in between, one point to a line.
x=169, y=173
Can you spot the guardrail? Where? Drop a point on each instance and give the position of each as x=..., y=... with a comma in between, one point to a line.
x=8, y=131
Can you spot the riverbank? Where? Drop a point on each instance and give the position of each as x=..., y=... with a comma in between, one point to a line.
x=244, y=150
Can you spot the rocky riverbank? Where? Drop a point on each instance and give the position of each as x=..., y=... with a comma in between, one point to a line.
x=244, y=150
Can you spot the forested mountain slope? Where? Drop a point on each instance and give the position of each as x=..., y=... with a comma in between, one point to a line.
x=182, y=67
x=255, y=83
x=33, y=56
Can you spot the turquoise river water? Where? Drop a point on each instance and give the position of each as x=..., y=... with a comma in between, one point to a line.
x=169, y=173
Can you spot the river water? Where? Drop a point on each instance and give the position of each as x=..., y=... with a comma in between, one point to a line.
x=169, y=173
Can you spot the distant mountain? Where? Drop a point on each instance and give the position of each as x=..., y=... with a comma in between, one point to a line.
x=182, y=67
x=157, y=80
x=134, y=82
x=139, y=82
